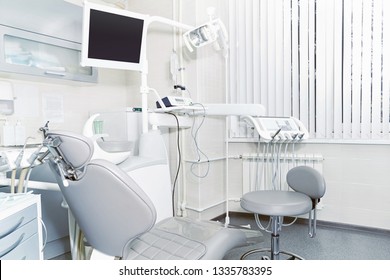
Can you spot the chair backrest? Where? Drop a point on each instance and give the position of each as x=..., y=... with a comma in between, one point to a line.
x=109, y=207
x=306, y=180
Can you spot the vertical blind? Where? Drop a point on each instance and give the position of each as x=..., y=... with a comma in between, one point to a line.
x=325, y=62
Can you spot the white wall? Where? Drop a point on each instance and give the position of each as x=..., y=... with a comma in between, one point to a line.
x=38, y=98
x=358, y=190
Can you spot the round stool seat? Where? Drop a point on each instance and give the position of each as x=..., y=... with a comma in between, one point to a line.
x=276, y=203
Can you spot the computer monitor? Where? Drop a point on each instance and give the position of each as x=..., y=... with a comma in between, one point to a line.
x=113, y=38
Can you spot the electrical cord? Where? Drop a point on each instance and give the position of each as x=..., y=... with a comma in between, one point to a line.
x=267, y=163
x=31, y=161
x=289, y=224
x=259, y=224
x=189, y=93
x=194, y=134
x=257, y=165
x=285, y=157
x=276, y=150
x=274, y=165
x=259, y=178
x=22, y=177
x=179, y=163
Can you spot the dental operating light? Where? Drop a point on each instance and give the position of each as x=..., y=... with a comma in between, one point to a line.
x=211, y=32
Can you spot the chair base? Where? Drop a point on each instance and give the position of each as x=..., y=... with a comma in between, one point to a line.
x=288, y=255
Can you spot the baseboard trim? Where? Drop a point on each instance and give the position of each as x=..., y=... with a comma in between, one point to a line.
x=326, y=224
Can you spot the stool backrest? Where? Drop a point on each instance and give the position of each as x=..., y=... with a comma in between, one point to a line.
x=307, y=180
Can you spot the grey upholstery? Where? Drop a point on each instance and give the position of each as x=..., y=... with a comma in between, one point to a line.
x=276, y=203
x=161, y=245
x=118, y=218
x=106, y=204
x=308, y=185
x=77, y=151
x=307, y=180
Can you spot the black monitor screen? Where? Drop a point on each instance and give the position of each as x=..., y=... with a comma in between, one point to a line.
x=115, y=37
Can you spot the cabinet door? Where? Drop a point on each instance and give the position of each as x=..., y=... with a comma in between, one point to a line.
x=30, y=53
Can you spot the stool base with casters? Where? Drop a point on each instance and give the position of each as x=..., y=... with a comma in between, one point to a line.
x=274, y=251
x=289, y=255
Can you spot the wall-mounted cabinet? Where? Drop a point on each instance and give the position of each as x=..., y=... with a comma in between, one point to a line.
x=30, y=53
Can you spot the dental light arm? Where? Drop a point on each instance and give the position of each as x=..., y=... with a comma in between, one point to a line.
x=212, y=32
x=144, y=73
x=170, y=22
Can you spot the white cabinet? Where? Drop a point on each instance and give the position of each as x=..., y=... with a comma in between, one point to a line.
x=30, y=53
x=20, y=227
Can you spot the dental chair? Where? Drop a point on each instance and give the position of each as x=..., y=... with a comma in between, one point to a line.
x=115, y=215
x=308, y=187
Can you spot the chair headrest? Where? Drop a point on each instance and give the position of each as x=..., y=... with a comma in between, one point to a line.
x=76, y=149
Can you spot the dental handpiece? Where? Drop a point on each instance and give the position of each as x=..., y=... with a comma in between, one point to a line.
x=276, y=133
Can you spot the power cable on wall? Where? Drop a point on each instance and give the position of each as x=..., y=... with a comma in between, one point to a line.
x=179, y=161
x=199, y=152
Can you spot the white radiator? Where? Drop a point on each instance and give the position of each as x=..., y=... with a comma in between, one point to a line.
x=268, y=171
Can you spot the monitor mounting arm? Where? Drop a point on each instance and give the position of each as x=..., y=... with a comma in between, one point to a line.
x=144, y=73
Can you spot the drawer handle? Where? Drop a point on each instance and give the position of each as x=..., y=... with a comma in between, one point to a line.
x=13, y=228
x=53, y=73
x=13, y=246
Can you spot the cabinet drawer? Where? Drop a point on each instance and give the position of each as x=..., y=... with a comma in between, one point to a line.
x=27, y=250
x=17, y=220
x=16, y=238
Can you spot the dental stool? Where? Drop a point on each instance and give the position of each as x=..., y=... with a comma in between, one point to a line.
x=308, y=185
x=115, y=215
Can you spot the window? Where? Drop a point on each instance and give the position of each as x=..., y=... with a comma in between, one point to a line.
x=325, y=62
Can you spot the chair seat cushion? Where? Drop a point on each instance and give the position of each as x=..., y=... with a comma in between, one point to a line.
x=161, y=245
x=186, y=239
x=276, y=203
